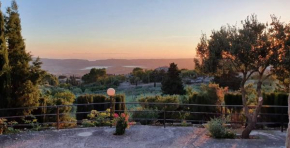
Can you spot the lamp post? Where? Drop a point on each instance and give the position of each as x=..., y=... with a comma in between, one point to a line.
x=111, y=93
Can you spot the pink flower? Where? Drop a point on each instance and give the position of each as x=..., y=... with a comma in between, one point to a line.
x=116, y=115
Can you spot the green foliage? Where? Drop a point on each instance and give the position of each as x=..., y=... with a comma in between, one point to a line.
x=3, y=125
x=57, y=98
x=228, y=79
x=172, y=83
x=19, y=84
x=138, y=72
x=157, y=75
x=217, y=130
x=251, y=94
x=250, y=49
x=120, y=105
x=210, y=94
x=97, y=119
x=34, y=124
x=148, y=116
x=5, y=69
x=50, y=80
x=77, y=90
x=7, y=127
x=65, y=85
x=94, y=75
x=188, y=74
x=88, y=123
x=144, y=102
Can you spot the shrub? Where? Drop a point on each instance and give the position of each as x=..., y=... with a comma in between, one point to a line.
x=145, y=117
x=144, y=102
x=3, y=126
x=88, y=123
x=32, y=121
x=160, y=99
x=7, y=127
x=97, y=118
x=217, y=130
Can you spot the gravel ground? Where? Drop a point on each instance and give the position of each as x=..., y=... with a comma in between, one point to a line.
x=137, y=136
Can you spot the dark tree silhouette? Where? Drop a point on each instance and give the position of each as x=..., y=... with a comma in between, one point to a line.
x=172, y=83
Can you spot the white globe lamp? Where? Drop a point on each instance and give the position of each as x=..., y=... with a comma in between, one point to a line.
x=111, y=92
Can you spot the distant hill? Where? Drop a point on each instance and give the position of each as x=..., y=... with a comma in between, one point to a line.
x=114, y=66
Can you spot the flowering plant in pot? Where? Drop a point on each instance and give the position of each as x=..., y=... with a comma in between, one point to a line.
x=121, y=123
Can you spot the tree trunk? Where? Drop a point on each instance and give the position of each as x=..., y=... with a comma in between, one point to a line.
x=248, y=128
x=252, y=120
x=246, y=132
x=288, y=130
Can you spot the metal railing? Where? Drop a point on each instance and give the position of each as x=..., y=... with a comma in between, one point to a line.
x=163, y=113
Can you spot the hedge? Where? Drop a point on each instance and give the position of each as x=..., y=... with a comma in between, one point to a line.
x=202, y=99
x=234, y=99
x=95, y=98
x=160, y=107
x=277, y=99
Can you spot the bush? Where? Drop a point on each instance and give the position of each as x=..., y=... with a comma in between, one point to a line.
x=5, y=129
x=160, y=99
x=217, y=130
x=144, y=102
x=97, y=118
x=57, y=98
x=146, y=117
x=88, y=123
x=3, y=126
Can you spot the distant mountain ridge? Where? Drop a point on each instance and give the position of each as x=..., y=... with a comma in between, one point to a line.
x=114, y=66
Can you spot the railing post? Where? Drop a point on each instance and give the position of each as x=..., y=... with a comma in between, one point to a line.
x=221, y=111
x=164, y=120
x=281, y=122
x=57, y=118
x=111, y=111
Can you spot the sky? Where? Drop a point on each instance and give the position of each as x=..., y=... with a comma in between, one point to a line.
x=131, y=29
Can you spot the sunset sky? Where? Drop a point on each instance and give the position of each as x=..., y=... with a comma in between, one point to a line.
x=131, y=29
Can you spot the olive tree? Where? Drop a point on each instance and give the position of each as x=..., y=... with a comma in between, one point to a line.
x=247, y=50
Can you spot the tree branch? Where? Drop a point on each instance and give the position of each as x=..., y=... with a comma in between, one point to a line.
x=267, y=77
x=247, y=77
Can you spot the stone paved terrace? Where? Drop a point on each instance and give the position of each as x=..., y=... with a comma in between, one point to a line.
x=137, y=136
